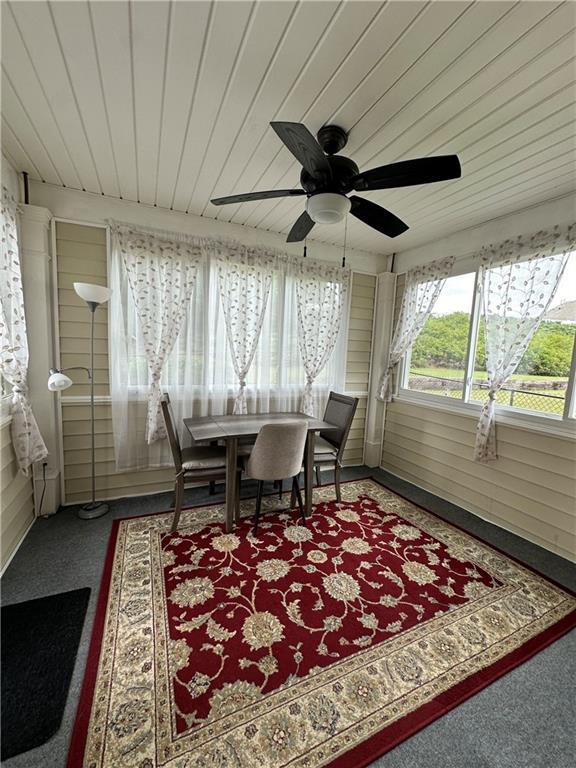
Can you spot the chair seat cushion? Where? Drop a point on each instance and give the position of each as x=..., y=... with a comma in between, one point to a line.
x=203, y=457
x=323, y=447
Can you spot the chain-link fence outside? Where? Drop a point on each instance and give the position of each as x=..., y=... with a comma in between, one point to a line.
x=545, y=396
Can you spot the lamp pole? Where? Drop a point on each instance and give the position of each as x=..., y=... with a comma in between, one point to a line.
x=92, y=306
x=93, y=295
x=95, y=508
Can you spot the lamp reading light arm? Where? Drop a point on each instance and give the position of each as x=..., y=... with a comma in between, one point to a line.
x=72, y=368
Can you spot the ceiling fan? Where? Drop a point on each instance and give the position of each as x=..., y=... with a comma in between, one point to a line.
x=327, y=178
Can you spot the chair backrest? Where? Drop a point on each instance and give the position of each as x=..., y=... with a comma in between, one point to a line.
x=171, y=431
x=278, y=451
x=340, y=410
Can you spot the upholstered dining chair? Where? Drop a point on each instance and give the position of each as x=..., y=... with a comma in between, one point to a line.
x=330, y=444
x=245, y=445
x=277, y=455
x=191, y=464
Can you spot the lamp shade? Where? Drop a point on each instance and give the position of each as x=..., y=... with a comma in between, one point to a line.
x=327, y=207
x=58, y=381
x=96, y=294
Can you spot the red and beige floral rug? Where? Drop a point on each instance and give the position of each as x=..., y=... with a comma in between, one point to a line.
x=322, y=644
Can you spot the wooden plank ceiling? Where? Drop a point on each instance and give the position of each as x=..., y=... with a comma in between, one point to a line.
x=169, y=103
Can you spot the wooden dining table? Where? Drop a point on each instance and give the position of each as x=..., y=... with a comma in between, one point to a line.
x=230, y=429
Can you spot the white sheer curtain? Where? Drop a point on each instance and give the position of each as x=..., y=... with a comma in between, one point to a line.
x=244, y=283
x=199, y=372
x=321, y=300
x=161, y=274
x=28, y=444
x=421, y=291
x=517, y=282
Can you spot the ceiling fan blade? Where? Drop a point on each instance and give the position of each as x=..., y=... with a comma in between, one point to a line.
x=408, y=172
x=300, y=229
x=304, y=147
x=377, y=217
x=257, y=196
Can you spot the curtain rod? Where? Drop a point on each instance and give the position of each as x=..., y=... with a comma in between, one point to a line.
x=218, y=240
x=476, y=253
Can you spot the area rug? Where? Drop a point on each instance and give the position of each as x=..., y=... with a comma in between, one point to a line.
x=322, y=644
x=39, y=645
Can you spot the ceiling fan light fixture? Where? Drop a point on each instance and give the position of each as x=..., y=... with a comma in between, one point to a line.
x=327, y=207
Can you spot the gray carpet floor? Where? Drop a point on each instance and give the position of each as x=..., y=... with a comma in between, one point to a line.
x=526, y=719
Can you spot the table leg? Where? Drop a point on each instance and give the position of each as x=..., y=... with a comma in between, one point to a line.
x=231, y=463
x=309, y=472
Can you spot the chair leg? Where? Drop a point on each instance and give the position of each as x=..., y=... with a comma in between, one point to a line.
x=237, y=496
x=293, y=492
x=212, y=484
x=296, y=492
x=318, y=478
x=280, y=488
x=258, y=504
x=337, y=481
x=179, y=497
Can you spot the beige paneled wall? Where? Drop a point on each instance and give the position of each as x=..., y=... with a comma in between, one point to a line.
x=109, y=483
x=81, y=255
x=358, y=358
x=529, y=490
x=17, y=507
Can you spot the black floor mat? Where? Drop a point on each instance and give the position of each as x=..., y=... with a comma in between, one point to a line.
x=39, y=644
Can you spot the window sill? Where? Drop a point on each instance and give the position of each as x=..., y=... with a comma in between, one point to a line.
x=533, y=422
x=141, y=393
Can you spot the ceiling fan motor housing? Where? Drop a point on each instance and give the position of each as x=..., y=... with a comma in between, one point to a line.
x=343, y=170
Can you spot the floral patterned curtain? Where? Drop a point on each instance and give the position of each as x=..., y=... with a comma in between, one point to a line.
x=321, y=296
x=423, y=286
x=162, y=275
x=517, y=282
x=28, y=444
x=244, y=282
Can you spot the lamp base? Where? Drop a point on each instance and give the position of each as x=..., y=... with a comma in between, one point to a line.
x=92, y=510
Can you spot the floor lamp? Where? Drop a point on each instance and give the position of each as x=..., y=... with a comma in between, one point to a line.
x=93, y=295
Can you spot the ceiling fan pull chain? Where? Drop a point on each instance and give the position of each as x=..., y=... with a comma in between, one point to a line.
x=345, y=239
x=304, y=254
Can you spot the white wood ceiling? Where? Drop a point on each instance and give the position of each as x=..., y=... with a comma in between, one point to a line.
x=168, y=103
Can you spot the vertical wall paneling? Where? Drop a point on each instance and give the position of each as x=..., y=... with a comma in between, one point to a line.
x=529, y=489
x=360, y=326
x=381, y=340
x=17, y=508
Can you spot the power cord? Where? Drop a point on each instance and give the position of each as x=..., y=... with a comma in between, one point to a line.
x=44, y=465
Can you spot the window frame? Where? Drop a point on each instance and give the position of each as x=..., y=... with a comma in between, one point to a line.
x=563, y=425
x=5, y=402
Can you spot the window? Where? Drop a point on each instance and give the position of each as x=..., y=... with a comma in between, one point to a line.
x=540, y=382
x=201, y=365
x=438, y=359
x=437, y=363
x=4, y=387
x=5, y=399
